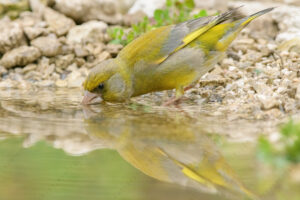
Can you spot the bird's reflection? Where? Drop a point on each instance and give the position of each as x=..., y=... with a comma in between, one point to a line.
x=164, y=145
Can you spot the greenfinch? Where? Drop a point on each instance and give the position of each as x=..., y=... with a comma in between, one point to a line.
x=169, y=57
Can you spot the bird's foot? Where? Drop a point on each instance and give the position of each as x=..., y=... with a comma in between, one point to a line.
x=172, y=101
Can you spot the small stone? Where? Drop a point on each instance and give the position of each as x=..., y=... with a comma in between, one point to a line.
x=267, y=102
x=7, y=83
x=58, y=23
x=289, y=105
x=103, y=56
x=48, y=71
x=89, y=32
x=79, y=61
x=33, y=75
x=297, y=96
x=248, y=41
x=11, y=36
x=61, y=83
x=49, y=46
x=114, y=49
x=45, y=83
x=73, y=67
x=80, y=52
x=20, y=56
x=63, y=61
x=84, y=71
x=86, y=10
x=29, y=67
x=75, y=79
x=66, y=49
x=33, y=32
x=3, y=70
x=29, y=19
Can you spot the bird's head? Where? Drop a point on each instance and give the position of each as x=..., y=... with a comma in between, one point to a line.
x=103, y=83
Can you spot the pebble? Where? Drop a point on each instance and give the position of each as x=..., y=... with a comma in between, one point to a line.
x=11, y=35
x=58, y=23
x=3, y=70
x=61, y=83
x=89, y=32
x=20, y=56
x=49, y=46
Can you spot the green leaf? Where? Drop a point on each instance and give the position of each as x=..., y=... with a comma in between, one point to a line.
x=169, y=3
x=202, y=13
x=158, y=15
x=189, y=3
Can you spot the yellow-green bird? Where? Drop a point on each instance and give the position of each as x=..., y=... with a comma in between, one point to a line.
x=169, y=57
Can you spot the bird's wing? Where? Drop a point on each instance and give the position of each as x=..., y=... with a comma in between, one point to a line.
x=157, y=45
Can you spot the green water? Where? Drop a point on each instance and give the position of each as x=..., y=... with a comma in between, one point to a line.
x=52, y=148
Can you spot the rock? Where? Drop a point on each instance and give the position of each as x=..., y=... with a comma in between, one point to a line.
x=32, y=25
x=71, y=68
x=146, y=6
x=288, y=18
x=49, y=46
x=57, y=22
x=33, y=76
x=85, y=10
x=75, y=79
x=79, y=62
x=45, y=67
x=20, y=56
x=30, y=19
x=45, y=83
x=29, y=67
x=267, y=102
x=297, y=96
x=94, y=49
x=61, y=83
x=289, y=105
x=66, y=49
x=7, y=83
x=48, y=71
x=103, y=56
x=3, y=70
x=63, y=61
x=33, y=32
x=80, y=52
x=11, y=35
x=114, y=49
x=89, y=32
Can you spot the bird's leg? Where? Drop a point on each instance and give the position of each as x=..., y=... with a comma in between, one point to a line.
x=175, y=100
x=189, y=87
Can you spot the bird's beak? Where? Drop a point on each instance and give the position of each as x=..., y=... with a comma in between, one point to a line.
x=91, y=98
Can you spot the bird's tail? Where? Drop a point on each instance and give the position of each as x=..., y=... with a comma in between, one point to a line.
x=248, y=19
x=233, y=29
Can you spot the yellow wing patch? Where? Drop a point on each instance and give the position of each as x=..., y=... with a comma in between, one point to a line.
x=189, y=38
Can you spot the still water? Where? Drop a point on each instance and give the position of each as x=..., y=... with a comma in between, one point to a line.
x=52, y=148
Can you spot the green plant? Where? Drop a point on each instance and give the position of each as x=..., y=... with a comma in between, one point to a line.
x=175, y=11
x=288, y=148
x=116, y=34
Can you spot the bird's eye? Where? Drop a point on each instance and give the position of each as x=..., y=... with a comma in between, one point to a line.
x=100, y=86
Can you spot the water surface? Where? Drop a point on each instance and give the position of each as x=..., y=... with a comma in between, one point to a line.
x=51, y=147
